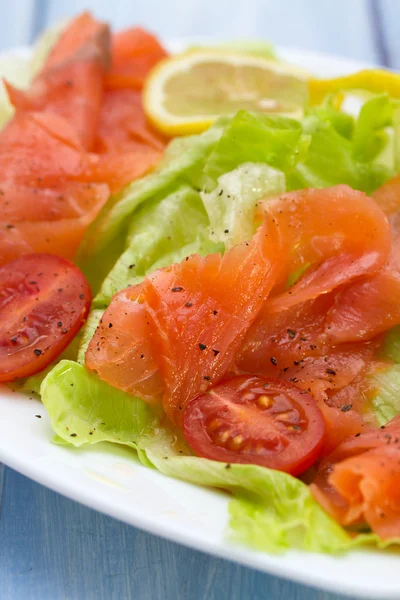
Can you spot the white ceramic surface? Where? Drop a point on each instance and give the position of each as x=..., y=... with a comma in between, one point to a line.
x=111, y=480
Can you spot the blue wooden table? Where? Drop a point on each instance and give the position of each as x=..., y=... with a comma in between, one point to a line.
x=52, y=548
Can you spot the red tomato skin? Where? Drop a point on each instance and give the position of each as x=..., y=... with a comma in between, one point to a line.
x=232, y=407
x=44, y=301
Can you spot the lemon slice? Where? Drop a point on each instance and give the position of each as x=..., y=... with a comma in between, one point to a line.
x=187, y=92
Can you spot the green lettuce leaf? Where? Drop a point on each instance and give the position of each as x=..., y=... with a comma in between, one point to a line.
x=330, y=160
x=105, y=239
x=386, y=403
x=327, y=148
x=88, y=332
x=372, y=127
x=270, y=510
x=396, y=138
x=158, y=236
x=342, y=122
x=389, y=138
x=230, y=207
x=295, y=276
x=369, y=135
x=257, y=138
x=84, y=409
x=391, y=345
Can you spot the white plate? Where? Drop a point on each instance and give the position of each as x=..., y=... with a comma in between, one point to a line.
x=111, y=480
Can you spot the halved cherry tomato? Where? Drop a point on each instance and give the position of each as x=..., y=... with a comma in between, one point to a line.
x=256, y=420
x=44, y=300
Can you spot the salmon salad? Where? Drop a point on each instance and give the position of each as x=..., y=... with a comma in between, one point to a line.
x=200, y=260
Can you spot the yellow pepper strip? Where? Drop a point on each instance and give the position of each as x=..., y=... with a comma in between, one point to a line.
x=373, y=80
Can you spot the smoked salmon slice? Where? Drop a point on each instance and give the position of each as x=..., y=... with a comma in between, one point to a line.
x=359, y=482
x=51, y=189
x=71, y=83
x=46, y=203
x=81, y=33
x=340, y=383
x=318, y=224
x=368, y=308
x=122, y=349
x=40, y=148
x=195, y=315
x=134, y=53
x=123, y=126
x=343, y=236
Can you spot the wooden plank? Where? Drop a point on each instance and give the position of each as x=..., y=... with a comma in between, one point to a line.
x=1, y=484
x=52, y=547
x=320, y=25
x=387, y=19
x=16, y=23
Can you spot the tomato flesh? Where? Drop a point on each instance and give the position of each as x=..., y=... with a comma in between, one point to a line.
x=256, y=420
x=44, y=300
